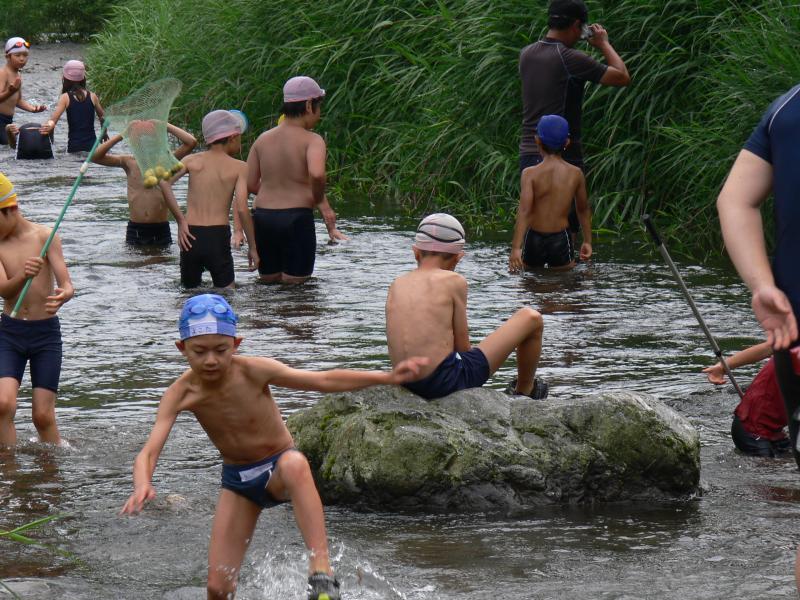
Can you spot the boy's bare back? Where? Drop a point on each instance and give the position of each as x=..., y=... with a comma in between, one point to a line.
x=213, y=179
x=239, y=415
x=424, y=309
x=554, y=183
x=283, y=154
x=26, y=242
x=146, y=205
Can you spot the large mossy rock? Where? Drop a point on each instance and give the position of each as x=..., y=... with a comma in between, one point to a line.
x=480, y=449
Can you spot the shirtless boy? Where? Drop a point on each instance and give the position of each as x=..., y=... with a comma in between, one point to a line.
x=541, y=234
x=215, y=177
x=426, y=315
x=286, y=171
x=35, y=334
x=230, y=397
x=16, y=50
x=149, y=223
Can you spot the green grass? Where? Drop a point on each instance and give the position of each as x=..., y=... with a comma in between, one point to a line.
x=54, y=19
x=424, y=104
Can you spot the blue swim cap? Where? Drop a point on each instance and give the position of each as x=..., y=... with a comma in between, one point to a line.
x=207, y=314
x=553, y=130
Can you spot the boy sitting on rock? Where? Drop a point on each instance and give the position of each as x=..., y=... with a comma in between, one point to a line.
x=426, y=315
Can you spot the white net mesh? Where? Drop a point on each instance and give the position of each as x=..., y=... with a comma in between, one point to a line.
x=141, y=119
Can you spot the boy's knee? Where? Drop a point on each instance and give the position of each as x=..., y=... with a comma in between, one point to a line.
x=43, y=417
x=533, y=317
x=294, y=466
x=8, y=405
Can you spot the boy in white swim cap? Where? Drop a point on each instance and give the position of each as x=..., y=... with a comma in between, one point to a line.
x=16, y=51
x=426, y=315
x=230, y=397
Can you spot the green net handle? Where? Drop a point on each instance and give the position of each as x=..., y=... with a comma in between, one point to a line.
x=46, y=247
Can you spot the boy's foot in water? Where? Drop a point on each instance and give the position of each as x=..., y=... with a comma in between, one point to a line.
x=322, y=586
x=539, y=392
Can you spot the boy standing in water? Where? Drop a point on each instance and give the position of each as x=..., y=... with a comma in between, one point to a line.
x=148, y=224
x=215, y=177
x=541, y=233
x=35, y=335
x=286, y=171
x=230, y=397
x=426, y=315
x=16, y=50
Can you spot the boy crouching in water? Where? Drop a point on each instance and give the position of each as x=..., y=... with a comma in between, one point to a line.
x=548, y=192
x=230, y=397
x=35, y=335
x=426, y=315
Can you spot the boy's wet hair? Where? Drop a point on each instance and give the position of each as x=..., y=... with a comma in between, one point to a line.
x=222, y=140
x=298, y=109
x=552, y=149
x=425, y=253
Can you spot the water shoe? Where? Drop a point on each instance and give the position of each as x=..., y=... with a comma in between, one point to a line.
x=322, y=586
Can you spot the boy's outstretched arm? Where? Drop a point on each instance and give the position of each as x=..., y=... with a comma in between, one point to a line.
x=101, y=156
x=515, y=263
x=188, y=141
x=584, y=217
x=145, y=463
x=716, y=373
x=341, y=380
x=64, y=291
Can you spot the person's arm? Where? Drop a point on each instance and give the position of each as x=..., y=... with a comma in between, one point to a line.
x=253, y=170
x=50, y=124
x=584, y=217
x=101, y=156
x=184, y=236
x=10, y=287
x=25, y=105
x=617, y=73
x=146, y=460
x=747, y=186
x=13, y=87
x=521, y=225
x=342, y=380
x=460, y=327
x=188, y=141
x=101, y=114
x=243, y=210
x=315, y=158
x=748, y=356
x=64, y=290
x=329, y=216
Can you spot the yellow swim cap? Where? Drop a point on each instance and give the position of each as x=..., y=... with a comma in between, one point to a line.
x=8, y=197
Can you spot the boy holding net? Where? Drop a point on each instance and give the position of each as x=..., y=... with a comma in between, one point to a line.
x=16, y=51
x=215, y=178
x=230, y=397
x=148, y=224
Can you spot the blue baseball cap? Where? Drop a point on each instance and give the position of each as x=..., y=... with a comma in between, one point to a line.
x=207, y=314
x=553, y=130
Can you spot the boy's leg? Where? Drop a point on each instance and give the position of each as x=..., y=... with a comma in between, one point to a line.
x=523, y=331
x=234, y=522
x=44, y=415
x=292, y=278
x=292, y=480
x=8, y=408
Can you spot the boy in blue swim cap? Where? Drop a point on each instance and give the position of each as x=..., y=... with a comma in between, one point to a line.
x=547, y=192
x=230, y=397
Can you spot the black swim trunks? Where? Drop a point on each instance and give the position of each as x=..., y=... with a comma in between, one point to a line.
x=211, y=249
x=39, y=342
x=547, y=249
x=148, y=234
x=4, y=120
x=285, y=240
x=32, y=145
x=458, y=371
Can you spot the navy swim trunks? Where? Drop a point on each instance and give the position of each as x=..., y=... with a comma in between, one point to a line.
x=458, y=371
x=148, y=234
x=4, y=120
x=36, y=341
x=547, y=249
x=286, y=241
x=251, y=480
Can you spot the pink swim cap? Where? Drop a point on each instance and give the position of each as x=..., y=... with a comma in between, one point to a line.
x=74, y=70
x=298, y=89
x=220, y=124
x=440, y=232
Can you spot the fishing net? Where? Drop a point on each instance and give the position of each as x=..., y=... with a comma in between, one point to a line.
x=141, y=119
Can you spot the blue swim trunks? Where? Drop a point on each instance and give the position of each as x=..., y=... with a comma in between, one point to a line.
x=39, y=342
x=251, y=480
x=458, y=371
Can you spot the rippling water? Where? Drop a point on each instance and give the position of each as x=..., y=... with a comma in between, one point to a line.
x=618, y=323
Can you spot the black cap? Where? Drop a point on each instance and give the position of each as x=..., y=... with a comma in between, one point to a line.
x=569, y=9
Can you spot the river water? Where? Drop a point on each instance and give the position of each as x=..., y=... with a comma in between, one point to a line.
x=616, y=323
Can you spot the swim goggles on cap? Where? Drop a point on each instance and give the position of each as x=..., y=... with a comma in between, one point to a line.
x=18, y=44
x=223, y=319
x=438, y=239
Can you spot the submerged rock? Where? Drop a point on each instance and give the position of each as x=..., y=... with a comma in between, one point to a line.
x=481, y=449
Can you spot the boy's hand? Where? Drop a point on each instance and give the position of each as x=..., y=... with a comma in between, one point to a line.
x=407, y=370
x=47, y=128
x=14, y=87
x=586, y=251
x=56, y=301
x=184, y=236
x=515, y=264
x=337, y=236
x=715, y=374
x=40, y=108
x=237, y=240
x=32, y=266
x=135, y=504
x=253, y=258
